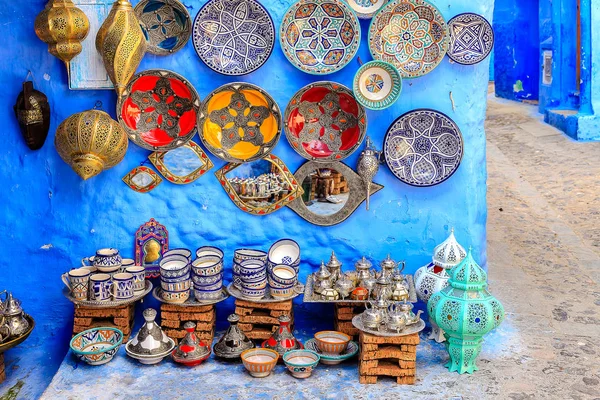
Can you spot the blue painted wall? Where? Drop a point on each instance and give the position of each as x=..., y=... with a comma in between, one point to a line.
x=51, y=218
x=516, y=51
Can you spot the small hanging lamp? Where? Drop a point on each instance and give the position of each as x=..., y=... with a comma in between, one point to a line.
x=466, y=311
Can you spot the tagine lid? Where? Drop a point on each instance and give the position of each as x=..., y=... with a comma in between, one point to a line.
x=449, y=253
x=150, y=339
x=190, y=348
x=234, y=342
x=282, y=339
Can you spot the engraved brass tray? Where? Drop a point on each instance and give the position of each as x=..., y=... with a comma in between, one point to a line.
x=235, y=292
x=409, y=330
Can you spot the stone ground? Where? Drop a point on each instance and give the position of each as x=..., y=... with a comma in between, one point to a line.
x=544, y=262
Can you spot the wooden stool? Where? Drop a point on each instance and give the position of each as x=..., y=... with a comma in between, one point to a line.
x=173, y=317
x=388, y=356
x=344, y=312
x=260, y=320
x=118, y=317
x=2, y=371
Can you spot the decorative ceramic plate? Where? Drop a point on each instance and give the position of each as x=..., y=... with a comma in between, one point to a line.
x=159, y=110
x=365, y=9
x=182, y=165
x=423, y=147
x=9, y=344
x=234, y=37
x=471, y=39
x=324, y=122
x=319, y=36
x=239, y=122
x=142, y=179
x=411, y=35
x=351, y=350
x=108, y=303
x=383, y=331
x=237, y=293
x=166, y=24
x=191, y=301
x=377, y=85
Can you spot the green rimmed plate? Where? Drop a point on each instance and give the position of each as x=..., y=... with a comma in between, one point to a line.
x=377, y=85
x=350, y=352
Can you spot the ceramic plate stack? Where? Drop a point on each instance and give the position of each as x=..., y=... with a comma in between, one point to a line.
x=175, y=276
x=207, y=276
x=284, y=251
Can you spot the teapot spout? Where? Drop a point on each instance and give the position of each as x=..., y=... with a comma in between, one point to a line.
x=418, y=316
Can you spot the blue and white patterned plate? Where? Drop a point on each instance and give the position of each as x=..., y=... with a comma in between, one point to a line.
x=377, y=85
x=233, y=37
x=471, y=39
x=365, y=9
x=166, y=24
x=350, y=352
x=319, y=36
x=423, y=147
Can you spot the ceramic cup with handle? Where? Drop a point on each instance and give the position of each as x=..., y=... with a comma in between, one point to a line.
x=100, y=287
x=78, y=282
x=122, y=287
x=139, y=278
x=126, y=263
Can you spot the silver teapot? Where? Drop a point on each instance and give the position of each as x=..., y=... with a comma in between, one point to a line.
x=383, y=288
x=388, y=266
x=344, y=286
x=405, y=308
x=14, y=316
x=372, y=317
x=363, y=269
x=322, y=279
x=396, y=319
x=335, y=267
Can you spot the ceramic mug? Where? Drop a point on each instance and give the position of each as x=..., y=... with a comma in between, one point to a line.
x=122, y=287
x=78, y=282
x=100, y=285
x=139, y=277
x=126, y=263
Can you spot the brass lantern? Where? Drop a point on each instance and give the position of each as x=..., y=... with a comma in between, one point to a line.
x=121, y=43
x=91, y=142
x=63, y=27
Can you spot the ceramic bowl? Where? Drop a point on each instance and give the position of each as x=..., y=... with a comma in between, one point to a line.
x=214, y=286
x=285, y=251
x=207, y=280
x=350, y=352
x=254, y=285
x=332, y=342
x=179, y=252
x=255, y=277
x=97, y=346
x=241, y=255
x=260, y=362
x=207, y=266
x=276, y=285
x=287, y=292
x=254, y=293
x=175, y=297
x=284, y=274
x=209, y=251
x=252, y=267
x=203, y=295
x=301, y=363
x=175, y=287
x=174, y=267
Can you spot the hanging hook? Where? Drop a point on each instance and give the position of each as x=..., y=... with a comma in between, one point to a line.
x=29, y=73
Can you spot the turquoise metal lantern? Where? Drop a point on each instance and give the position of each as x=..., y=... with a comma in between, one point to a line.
x=466, y=311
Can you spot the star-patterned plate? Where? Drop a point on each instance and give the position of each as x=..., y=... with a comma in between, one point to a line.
x=319, y=36
x=471, y=39
x=412, y=35
x=423, y=147
x=324, y=122
x=159, y=110
x=377, y=85
x=166, y=23
x=365, y=9
x=233, y=37
x=239, y=123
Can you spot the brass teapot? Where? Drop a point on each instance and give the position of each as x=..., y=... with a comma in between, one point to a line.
x=14, y=316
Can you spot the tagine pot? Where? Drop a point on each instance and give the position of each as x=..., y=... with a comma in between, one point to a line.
x=191, y=351
x=282, y=339
x=234, y=342
x=150, y=345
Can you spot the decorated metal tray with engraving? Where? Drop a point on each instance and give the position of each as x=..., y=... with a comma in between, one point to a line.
x=108, y=303
x=383, y=331
x=191, y=302
x=311, y=297
x=235, y=292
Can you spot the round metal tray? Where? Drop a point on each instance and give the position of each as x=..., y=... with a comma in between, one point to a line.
x=17, y=341
x=409, y=330
x=108, y=303
x=191, y=301
x=235, y=292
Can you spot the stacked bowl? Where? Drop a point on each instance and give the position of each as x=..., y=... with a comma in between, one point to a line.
x=284, y=251
x=175, y=276
x=253, y=278
x=241, y=255
x=282, y=280
x=207, y=274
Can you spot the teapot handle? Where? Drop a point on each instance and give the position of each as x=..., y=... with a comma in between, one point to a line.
x=400, y=269
x=5, y=293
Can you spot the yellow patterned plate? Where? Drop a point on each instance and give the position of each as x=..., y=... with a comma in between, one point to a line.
x=239, y=123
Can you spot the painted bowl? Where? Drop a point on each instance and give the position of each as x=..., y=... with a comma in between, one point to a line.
x=254, y=285
x=250, y=267
x=260, y=362
x=179, y=252
x=277, y=292
x=255, y=277
x=175, y=297
x=182, y=278
x=285, y=251
x=214, y=286
x=174, y=267
x=254, y=293
x=332, y=342
x=97, y=346
x=301, y=363
x=201, y=280
x=284, y=275
x=209, y=251
x=207, y=265
x=276, y=285
x=350, y=352
x=241, y=255
x=175, y=287
x=204, y=295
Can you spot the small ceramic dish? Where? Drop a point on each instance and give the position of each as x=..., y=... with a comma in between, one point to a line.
x=207, y=265
x=377, y=85
x=175, y=297
x=207, y=280
x=276, y=285
x=254, y=293
x=241, y=255
x=209, y=251
x=350, y=352
x=284, y=275
x=301, y=363
x=181, y=278
x=207, y=295
x=260, y=362
x=285, y=251
x=179, y=252
x=332, y=342
x=97, y=346
x=175, y=287
x=174, y=267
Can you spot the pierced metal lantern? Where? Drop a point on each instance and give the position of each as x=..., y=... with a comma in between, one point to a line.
x=121, y=43
x=63, y=27
x=91, y=142
x=433, y=277
x=466, y=311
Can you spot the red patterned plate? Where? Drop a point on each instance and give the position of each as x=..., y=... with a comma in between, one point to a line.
x=324, y=122
x=159, y=110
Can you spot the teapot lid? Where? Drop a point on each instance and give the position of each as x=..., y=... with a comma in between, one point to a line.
x=12, y=306
x=388, y=263
x=363, y=263
x=323, y=273
x=405, y=306
x=334, y=263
